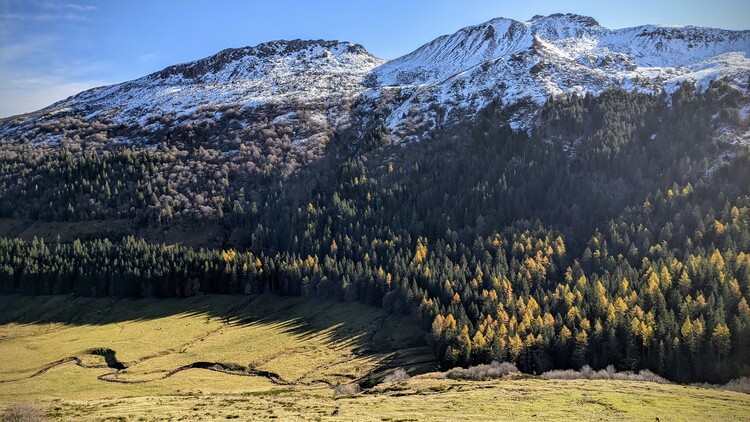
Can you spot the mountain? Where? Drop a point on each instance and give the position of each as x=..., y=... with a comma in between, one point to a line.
x=337, y=85
x=611, y=228
x=282, y=71
x=510, y=61
x=313, y=76
x=577, y=38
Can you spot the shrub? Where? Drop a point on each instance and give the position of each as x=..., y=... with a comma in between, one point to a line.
x=397, y=376
x=23, y=412
x=493, y=370
x=740, y=385
x=346, y=390
x=604, y=374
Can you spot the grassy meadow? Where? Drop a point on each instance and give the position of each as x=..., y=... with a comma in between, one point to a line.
x=271, y=357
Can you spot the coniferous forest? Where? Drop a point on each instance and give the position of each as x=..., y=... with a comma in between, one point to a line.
x=616, y=232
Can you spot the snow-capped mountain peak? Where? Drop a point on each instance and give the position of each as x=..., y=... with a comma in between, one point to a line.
x=250, y=62
x=510, y=61
x=276, y=71
x=339, y=84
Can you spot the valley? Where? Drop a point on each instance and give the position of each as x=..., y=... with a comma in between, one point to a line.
x=271, y=357
x=520, y=220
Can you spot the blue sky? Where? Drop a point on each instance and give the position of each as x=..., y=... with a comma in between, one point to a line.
x=50, y=49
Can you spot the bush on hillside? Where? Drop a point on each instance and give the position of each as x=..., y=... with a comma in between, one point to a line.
x=23, y=412
x=604, y=374
x=346, y=390
x=494, y=370
x=397, y=376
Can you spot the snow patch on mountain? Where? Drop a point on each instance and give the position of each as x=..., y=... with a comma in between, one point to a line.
x=510, y=61
x=280, y=71
x=337, y=84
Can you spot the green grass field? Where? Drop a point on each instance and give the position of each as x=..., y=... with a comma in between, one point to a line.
x=269, y=357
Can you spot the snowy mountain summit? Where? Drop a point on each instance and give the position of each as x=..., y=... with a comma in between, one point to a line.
x=512, y=61
x=276, y=71
x=330, y=85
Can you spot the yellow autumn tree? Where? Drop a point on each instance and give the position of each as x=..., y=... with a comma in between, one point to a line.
x=478, y=344
x=421, y=252
x=228, y=255
x=438, y=326
x=581, y=347
x=515, y=346
x=721, y=340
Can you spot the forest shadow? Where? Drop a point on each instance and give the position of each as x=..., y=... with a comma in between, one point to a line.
x=365, y=329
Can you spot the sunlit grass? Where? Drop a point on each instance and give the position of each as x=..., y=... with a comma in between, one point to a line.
x=311, y=345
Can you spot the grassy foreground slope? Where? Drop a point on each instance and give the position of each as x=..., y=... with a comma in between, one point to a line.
x=278, y=340
x=268, y=357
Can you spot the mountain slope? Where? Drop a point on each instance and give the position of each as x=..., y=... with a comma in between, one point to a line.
x=613, y=232
x=509, y=61
x=317, y=77
x=340, y=85
x=277, y=71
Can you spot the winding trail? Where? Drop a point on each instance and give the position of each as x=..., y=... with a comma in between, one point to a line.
x=116, y=367
x=225, y=368
x=48, y=367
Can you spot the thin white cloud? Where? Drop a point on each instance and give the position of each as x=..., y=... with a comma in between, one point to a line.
x=29, y=47
x=61, y=5
x=28, y=84
x=79, y=7
x=143, y=58
x=42, y=17
x=26, y=95
x=48, y=11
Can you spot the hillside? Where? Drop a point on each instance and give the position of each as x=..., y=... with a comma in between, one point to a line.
x=273, y=357
x=610, y=226
x=513, y=62
x=267, y=340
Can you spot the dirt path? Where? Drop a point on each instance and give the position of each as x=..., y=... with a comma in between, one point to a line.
x=225, y=368
x=116, y=367
x=222, y=367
